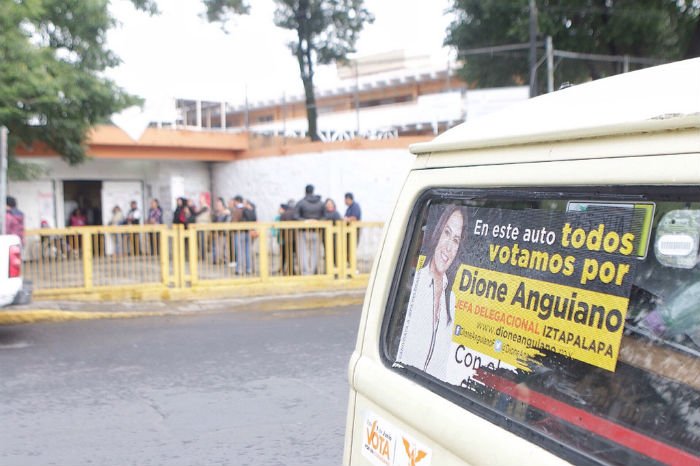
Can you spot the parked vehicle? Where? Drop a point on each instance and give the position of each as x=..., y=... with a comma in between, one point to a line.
x=536, y=296
x=11, y=284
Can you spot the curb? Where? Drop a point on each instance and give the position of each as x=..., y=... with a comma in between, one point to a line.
x=63, y=311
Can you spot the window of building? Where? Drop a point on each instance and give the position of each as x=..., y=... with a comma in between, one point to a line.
x=570, y=317
x=385, y=101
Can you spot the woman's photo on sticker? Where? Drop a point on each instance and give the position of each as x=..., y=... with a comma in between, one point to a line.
x=427, y=332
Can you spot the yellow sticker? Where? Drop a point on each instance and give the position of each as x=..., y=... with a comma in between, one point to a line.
x=510, y=317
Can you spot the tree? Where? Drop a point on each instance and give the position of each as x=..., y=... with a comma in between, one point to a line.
x=664, y=29
x=326, y=31
x=52, y=54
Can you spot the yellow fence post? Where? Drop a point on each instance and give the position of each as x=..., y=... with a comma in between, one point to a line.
x=342, y=249
x=179, y=255
x=86, y=238
x=352, y=249
x=263, y=253
x=164, y=251
x=337, y=234
x=193, y=253
x=328, y=235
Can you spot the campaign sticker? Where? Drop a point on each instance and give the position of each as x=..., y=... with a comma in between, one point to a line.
x=383, y=444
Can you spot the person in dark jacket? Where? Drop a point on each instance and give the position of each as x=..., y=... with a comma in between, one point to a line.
x=309, y=208
x=288, y=240
x=14, y=218
x=181, y=214
x=241, y=238
x=329, y=211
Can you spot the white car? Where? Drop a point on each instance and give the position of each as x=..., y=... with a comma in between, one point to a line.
x=11, y=286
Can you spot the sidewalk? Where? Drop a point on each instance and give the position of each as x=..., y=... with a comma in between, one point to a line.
x=56, y=311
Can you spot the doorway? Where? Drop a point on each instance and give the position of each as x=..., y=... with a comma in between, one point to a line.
x=85, y=195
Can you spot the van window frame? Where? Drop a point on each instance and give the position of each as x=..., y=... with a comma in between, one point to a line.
x=621, y=193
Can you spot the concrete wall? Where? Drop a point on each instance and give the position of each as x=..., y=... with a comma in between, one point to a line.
x=373, y=176
x=156, y=177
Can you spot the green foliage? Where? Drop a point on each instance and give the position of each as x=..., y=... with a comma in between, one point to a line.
x=52, y=55
x=326, y=31
x=328, y=28
x=664, y=29
x=222, y=10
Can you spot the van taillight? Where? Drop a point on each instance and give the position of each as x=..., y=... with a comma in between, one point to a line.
x=15, y=261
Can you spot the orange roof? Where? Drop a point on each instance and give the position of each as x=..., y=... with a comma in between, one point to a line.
x=110, y=142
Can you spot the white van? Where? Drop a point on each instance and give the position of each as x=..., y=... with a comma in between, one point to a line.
x=536, y=297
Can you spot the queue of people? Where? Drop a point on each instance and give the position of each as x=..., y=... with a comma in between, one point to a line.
x=300, y=248
x=304, y=246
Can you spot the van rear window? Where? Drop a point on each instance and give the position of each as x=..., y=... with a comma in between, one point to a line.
x=568, y=316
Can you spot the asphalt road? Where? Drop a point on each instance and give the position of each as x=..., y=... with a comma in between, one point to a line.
x=208, y=388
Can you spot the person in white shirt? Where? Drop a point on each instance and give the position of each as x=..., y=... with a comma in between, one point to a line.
x=133, y=217
x=427, y=331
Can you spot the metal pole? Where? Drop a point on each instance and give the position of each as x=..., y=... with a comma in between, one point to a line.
x=533, y=49
x=626, y=64
x=284, y=118
x=357, y=99
x=222, y=112
x=246, y=107
x=550, y=63
x=447, y=76
x=3, y=174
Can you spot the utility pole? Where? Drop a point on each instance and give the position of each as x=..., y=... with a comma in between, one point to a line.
x=246, y=108
x=550, y=63
x=357, y=98
x=284, y=118
x=3, y=175
x=533, y=49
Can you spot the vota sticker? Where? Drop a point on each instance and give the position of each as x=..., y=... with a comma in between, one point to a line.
x=385, y=445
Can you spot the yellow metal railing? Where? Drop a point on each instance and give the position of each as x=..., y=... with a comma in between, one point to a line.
x=160, y=257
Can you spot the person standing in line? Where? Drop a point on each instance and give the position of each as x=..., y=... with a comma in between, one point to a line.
x=241, y=238
x=14, y=219
x=155, y=213
x=133, y=217
x=155, y=217
x=221, y=215
x=77, y=218
x=288, y=239
x=353, y=213
x=309, y=207
x=331, y=213
x=191, y=211
x=180, y=215
x=233, y=214
x=249, y=213
x=116, y=220
x=203, y=216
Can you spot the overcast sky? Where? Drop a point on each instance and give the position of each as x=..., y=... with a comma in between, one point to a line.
x=178, y=54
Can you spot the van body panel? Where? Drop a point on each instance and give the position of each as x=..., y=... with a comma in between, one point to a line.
x=434, y=420
x=653, y=143
x=679, y=141
x=651, y=99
